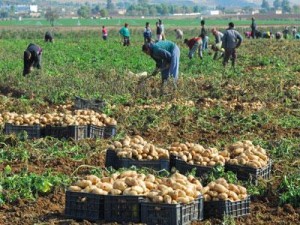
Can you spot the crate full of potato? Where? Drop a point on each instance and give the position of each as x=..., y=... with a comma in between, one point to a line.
x=176, y=200
x=135, y=151
x=225, y=199
x=188, y=156
x=248, y=161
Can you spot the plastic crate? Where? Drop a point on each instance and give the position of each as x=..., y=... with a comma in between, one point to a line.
x=84, y=206
x=183, y=167
x=171, y=214
x=60, y=132
x=114, y=161
x=249, y=173
x=218, y=209
x=120, y=208
x=110, y=131
x=95, y=131
x=96, y=104
x=33, y=131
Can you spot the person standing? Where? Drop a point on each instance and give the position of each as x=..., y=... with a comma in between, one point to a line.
x=294, y=32
x=166, y=54
x=194, y=44
x=203, y=35
x=163, y=35
x=124, y=31
x=253, y=28
x=147, y=33
x=179, y=34
x=104, y=33
x=230, y=42
x=32, y=58
x=158, y=32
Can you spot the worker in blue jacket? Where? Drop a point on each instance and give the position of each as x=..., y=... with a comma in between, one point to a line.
x=166, y=54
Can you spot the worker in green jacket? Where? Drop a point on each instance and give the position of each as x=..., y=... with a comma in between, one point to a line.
x=124, y=31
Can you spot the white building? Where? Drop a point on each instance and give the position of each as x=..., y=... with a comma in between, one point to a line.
x=33, y=8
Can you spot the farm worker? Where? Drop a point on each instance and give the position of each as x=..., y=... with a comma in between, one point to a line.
x=253, y=28
x=297, y=36
x=203, y=35
x=48, y=37
x=194, y=44
x=166, y=54
x=247, y=34
x=230, y=42
x=285, y=32
x=278, y=35
x=163, y=35
x=179, y=34
x=147, y=33
x=217, y=47
x=124, y=31
x=32, y=58
x=158, y=32
x=294, y=31
x=104, y=33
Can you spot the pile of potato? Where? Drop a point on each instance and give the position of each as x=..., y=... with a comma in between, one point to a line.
x=172, y=190
x=233, y=104
x=245, y=153
x=196, y=154
x=137, y=148
x=77, y=117
x=221, y=190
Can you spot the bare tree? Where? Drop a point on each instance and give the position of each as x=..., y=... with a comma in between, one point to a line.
x=51, y=15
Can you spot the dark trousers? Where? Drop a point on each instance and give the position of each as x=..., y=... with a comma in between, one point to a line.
x=126, y=41
x=229, y=52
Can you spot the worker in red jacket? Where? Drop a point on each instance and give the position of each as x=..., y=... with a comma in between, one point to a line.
x=194, y=44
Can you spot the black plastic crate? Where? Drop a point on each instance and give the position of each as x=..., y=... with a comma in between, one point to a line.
x=120, y=208
x=110, y=131
x=218, y=209
x=96, y=104
x=84, y=206
x=171, y=214
x=32, y=132
x=183, y=167
x=75, y=132
x=246, y=173
x=95, y=131
x=114, y=161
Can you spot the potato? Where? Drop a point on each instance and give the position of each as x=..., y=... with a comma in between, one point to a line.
x=98, y=191
x=234, y=188
x=107, y=186
x=184, y=200
x=207, y=197
x=138, y=189
x=222, y=196
x=129, y=191
x=157, y=199
x=150, y=178
x=152, y=194
x=128, y=173
x=213, y=193
x=94, y=179
x=167, y=199
x=130, y=181
x=74, y=188
x=242, y=189
x=120, y=185
x=83, y=183
x=233, y=195
x=205, y=190
x=220, y=188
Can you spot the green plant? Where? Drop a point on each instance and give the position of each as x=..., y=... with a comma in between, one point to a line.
x=289, y=190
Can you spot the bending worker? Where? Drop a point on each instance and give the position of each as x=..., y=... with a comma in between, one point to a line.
x=166, y=54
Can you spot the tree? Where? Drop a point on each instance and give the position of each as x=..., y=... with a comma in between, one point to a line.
x=285, y=5
x=103, y=13
x=277, y=4
x=109, y=5
x=84, y=11
x=51, y=15
x=296, y=9
x=265, y=5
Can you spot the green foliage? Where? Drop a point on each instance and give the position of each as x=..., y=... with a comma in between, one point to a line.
x=289, y=190
x=218, y=172
x=26, y=185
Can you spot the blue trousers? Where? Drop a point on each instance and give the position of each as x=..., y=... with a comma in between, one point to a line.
x=174, y=66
